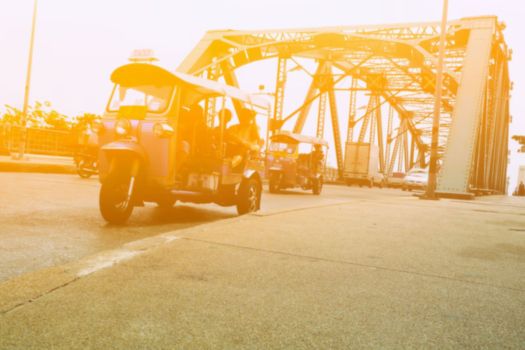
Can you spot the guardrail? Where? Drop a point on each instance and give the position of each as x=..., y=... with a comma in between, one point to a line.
x=331, y=175
x=64, y=143
x=37, y=140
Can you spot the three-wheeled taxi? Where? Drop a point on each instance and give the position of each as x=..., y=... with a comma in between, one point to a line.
x=158, y=146
x=288, y=168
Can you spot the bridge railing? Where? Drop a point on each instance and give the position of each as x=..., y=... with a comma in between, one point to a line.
x=37, y=140
x=64, y=143
x=331, y=175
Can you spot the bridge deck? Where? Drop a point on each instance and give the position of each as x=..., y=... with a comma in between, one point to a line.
x=353, y=268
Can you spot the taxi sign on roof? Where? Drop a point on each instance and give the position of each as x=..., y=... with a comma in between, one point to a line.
x=143, y=56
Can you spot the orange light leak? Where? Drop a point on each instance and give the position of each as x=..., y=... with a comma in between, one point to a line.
x=71, y=67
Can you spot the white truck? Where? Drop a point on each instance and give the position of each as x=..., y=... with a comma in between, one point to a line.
x=361, y=165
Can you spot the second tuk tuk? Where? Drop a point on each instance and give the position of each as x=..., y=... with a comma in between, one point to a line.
x=157, y=144
x=289, y=168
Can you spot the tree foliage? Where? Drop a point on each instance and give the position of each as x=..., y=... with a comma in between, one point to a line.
x=42, y=115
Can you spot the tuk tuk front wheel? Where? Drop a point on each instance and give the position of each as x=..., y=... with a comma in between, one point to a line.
x=317, y=186
x=248, y=197
x=115, y=206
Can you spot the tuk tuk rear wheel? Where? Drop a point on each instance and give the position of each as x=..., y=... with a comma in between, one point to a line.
x=317, y=186
x=81, y=171
x=248, y=197
x=114, y=205
x=273, y=185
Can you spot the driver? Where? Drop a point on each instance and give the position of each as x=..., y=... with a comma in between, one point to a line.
x=246, y=132
x=244, y=136
x=317, y=157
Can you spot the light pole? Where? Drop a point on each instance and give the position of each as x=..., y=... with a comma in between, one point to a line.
x=432, y=169
x=269, y=119
x=23, y=121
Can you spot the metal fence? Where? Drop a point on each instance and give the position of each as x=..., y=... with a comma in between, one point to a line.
x=331, y=175
x=37, y=140
x=64, y=143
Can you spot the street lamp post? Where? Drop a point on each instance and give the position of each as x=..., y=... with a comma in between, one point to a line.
x=269, y=119
x=432, y=170
x=23, y=121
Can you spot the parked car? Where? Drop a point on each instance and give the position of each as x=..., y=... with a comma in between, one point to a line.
x=416, y=178
x=396, y=179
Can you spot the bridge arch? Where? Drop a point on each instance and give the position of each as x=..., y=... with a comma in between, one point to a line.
x=395, y=64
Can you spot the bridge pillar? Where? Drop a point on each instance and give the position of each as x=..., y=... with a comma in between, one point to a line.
x=458, y=158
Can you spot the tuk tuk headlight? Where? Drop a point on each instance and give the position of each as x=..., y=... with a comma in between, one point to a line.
x=122, y=127
x=163, y=130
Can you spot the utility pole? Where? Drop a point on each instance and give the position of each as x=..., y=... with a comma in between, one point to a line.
x=432, y=169
x=23, y=121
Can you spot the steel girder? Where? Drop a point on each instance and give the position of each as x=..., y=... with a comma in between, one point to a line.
x=318, y=83
x=477, y=141
x=402, y=57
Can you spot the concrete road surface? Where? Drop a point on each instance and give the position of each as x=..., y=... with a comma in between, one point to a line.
x=51, y=219
x=382, y=270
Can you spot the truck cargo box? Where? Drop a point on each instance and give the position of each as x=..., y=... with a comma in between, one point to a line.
x=361, y=161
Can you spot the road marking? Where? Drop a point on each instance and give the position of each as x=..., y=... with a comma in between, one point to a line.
x=171, y=238
x=106, y=260
x=263, y=213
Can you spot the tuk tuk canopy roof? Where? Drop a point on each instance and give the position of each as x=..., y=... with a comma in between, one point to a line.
x=135, y=74
x=292, y=138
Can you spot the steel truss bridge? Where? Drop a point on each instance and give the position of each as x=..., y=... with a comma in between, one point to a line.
x=393, y=67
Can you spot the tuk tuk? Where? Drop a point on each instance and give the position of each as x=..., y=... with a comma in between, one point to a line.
x=158, y=146
x=288, y=168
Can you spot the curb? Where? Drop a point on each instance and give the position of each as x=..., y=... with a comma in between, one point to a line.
x=26, y=167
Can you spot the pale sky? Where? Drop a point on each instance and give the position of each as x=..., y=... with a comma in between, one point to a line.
x=80, y=42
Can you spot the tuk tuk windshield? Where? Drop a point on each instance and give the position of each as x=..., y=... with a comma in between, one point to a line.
x=155, y=98
x=282, y=147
